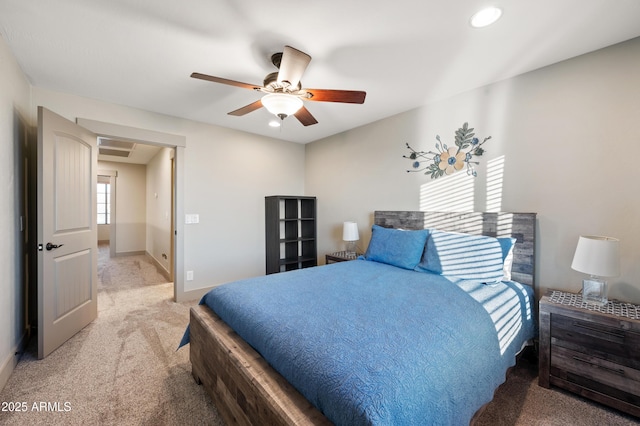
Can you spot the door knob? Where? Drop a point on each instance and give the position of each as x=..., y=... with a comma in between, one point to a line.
x=50, y=246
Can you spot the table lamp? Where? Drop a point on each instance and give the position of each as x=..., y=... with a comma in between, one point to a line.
x=599, y=257
x=350, y=236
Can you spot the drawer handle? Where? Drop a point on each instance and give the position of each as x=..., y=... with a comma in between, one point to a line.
x=618, y=371
x=614, y=333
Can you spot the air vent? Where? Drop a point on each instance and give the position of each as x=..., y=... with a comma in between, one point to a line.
x=111, y=143
x=115, y=148
x=114, y=152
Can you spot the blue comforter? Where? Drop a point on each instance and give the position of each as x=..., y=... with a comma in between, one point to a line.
x=368, y=343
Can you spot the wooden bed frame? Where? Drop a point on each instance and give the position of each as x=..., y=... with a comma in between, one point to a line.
x=247, y=391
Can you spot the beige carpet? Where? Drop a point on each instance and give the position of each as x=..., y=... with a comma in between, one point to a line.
x=123, y=369
x=520, y=401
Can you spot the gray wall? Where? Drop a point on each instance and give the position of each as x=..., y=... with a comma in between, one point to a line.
x=15, y=110
x=158, y=199
x=226, y=173
x=567, y=136
x=131, y=206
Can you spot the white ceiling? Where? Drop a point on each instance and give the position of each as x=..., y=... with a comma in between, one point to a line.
x=403, y=53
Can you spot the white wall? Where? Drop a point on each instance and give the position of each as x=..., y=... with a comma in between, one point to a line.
x=158, y=199
x=104, y=232
x=131, y=207
x=14, y=124
x=569, y=134
x=227, y=174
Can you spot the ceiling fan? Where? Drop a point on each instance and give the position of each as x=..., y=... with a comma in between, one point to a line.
x=283, y=90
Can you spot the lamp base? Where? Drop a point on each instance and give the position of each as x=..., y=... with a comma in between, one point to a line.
x=594, y=291
x=351, y=248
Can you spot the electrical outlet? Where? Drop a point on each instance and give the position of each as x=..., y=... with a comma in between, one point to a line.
x=189, y=275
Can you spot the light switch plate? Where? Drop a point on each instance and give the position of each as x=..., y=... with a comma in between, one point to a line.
x=191, y=218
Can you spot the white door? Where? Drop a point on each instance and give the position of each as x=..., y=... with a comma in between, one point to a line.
x=67, y=230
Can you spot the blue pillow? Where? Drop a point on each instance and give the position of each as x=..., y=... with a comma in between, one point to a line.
x=396, y=247
x=465, y=256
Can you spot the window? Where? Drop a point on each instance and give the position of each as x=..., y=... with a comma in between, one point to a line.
x=104, y=205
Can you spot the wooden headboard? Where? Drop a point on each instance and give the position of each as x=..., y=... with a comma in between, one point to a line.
x=521, y=226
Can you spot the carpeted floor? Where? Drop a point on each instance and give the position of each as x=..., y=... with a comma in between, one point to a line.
x=123, y=369
x=520, y=401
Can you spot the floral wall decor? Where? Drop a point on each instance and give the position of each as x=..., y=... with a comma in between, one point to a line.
x=447, y=160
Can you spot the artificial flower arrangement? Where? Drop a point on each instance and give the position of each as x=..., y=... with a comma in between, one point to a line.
x=448, y=160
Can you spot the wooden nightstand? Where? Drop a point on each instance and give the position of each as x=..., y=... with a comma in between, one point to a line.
x=592, y=351
x=341, y=256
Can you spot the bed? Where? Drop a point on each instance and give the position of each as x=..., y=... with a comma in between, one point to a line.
x=396, y=337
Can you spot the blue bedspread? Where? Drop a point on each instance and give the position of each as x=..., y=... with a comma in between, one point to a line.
x=369, y=343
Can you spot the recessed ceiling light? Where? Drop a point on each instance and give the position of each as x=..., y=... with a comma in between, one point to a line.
x=485, y=17
x=274, y=123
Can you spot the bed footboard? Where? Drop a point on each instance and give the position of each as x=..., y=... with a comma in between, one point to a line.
x=244, y=388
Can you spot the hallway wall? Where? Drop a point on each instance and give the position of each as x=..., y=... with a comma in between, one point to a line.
x=130, y=187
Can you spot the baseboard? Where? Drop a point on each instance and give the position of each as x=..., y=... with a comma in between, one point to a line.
x=159, y=266
x=10, y=362
x=191, y=295
x=130, y=253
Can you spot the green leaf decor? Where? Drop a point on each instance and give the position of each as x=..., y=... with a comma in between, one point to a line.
x=447, y=160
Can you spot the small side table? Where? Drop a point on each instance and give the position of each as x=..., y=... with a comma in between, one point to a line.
x=341, y=256
x=593, y=351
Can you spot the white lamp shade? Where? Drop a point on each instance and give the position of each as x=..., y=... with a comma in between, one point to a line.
x=599, y=256
x=350, y=231
x=281, y=103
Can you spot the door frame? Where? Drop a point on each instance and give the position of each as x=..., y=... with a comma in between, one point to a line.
x=179, y=143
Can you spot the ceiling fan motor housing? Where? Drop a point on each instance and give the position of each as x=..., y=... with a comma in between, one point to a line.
x=271, y=82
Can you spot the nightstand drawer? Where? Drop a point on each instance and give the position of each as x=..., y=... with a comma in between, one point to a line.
x=576, y=366
x=614, y=343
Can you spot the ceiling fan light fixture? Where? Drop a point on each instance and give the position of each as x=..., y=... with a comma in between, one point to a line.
x=485, y=17
x=281, y=104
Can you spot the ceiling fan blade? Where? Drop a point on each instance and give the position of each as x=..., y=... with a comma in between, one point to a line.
x=292, y=66
x=247, y=108
x=344, y=96
x=304, y=116
x=225, y=81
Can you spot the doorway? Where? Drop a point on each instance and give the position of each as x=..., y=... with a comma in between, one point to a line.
x=140, y=178
x=176, y=145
